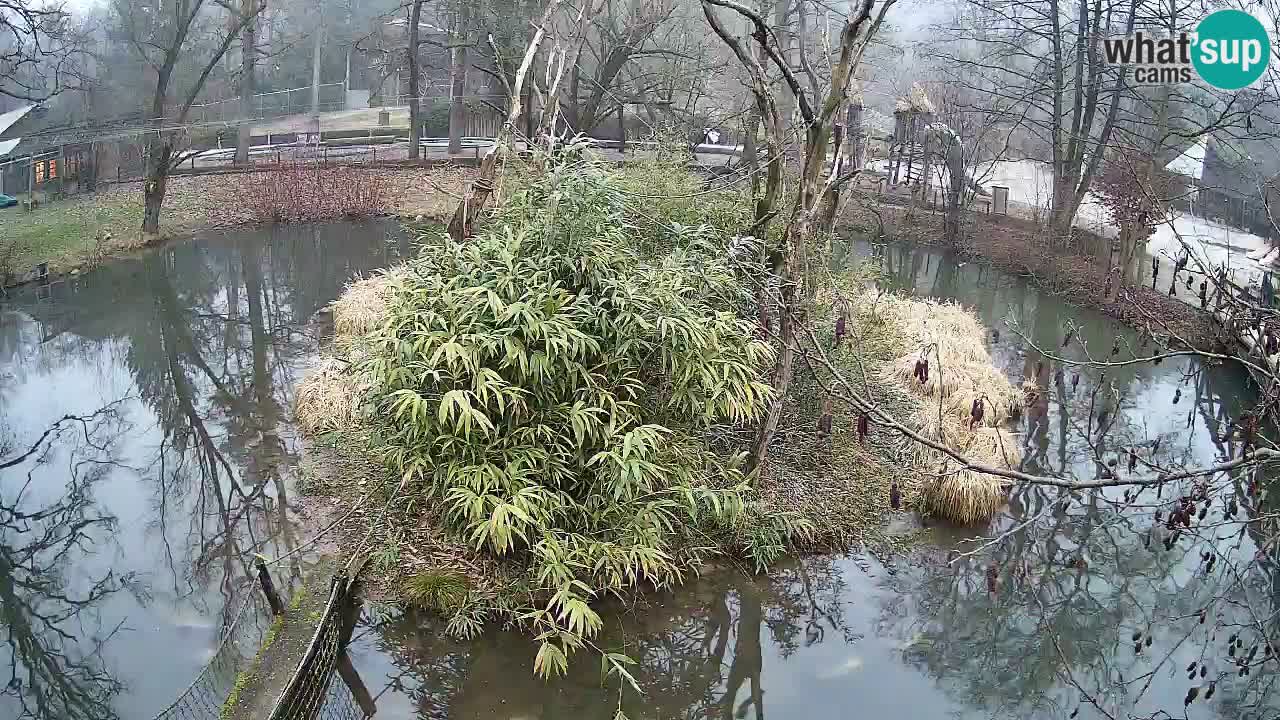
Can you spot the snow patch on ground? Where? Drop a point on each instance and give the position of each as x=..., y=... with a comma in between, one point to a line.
x=1030, y=184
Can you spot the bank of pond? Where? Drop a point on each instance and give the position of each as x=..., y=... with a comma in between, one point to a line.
x=127, y=535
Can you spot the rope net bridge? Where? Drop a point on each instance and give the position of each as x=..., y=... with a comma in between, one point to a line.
x=204, y=697
x=323, y=686
x=312, y=691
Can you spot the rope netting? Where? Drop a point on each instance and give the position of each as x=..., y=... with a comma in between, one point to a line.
x=313, y=691
x=203, y=699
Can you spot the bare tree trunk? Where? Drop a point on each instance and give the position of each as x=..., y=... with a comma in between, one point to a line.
x=781, y=29
x=954, y=153
x=787, y=261
x=854, y=136
x=415, y=118
x=248, y=63
x=315, y=76
x=750, y=127
x=159, y=153
x=482, y=187
x=573, y=105
x=159, y=150
x=458, y=79
x=160, y=147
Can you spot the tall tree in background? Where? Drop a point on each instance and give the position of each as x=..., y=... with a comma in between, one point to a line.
x=622, y=34
x=248, y=79
x=415, y=113
x=1047, y=55
x=38, y=48
x=175, y=43
x=461, y=28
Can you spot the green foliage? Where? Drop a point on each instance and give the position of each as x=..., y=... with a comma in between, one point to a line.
x=437, y=590
x=660, y=188
x=387, y=556
x=233, y=698
x=245, y=676
x=553, y=388
x=298, y=597
x=769, y=534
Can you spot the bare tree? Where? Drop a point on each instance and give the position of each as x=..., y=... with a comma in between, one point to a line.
x=971, y=134
x=819, y=187
x=458, y=75
x=1046, y=55
x=620, y=34
x=248, y=79
x=482, y=188
x=415, y=114
x=169, y=42
x=38, y=50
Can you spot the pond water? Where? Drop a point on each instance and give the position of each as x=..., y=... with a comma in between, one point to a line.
x=127, y=531
x=927, y=636
x=126, y=536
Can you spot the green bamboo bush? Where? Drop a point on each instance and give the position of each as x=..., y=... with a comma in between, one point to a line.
x=553, y=385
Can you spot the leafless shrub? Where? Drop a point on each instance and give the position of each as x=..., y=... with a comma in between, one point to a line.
x=307, y=192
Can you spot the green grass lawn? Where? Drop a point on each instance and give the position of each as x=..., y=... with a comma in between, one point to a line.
x=65, y=233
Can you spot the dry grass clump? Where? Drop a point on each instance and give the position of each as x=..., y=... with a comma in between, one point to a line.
x=960, y=375
x=329, y=398
x=363, y=306
x=963, y=496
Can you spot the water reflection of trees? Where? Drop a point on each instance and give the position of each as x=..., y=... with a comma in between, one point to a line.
x=53, y=667
x=700, y=652
x=213, y=335
x=1045, y=617
x=1017, y=628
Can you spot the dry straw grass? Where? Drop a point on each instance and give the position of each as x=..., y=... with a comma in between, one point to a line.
x=363, y=306
x=960, y=373
x=329, y=398
x=963, y=497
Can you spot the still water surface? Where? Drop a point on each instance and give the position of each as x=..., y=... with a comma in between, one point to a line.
x=126, y=536
x=925, y=637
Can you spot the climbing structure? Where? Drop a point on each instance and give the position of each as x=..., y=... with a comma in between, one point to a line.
x=908, y=161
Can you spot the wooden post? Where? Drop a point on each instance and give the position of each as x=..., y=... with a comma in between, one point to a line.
x=31, y=184
x=622, y=132
x=350, y=610
x=268, y=587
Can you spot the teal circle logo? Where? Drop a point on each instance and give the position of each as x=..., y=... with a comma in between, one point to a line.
x=1232, y=49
